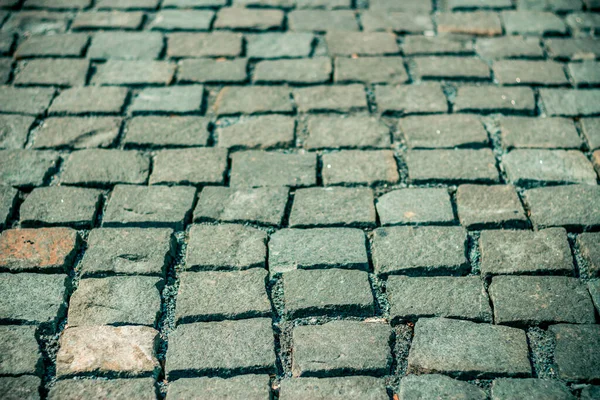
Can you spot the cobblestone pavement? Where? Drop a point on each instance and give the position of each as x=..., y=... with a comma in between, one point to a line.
x=299, y=199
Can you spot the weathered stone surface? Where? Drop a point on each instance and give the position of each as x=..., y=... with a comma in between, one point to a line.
x=24, y=387
x=189, y=167
x=294, y=71
x=589, y=245
x=575, y=354
x=570, y=102
x=251, y=387
x=590, y=392
x=585, y=73
x=33, y=298
x=149, y=206
x=443, y=131
x=361, y=43
x=494, y=206
x=449, y=297
x=116, y=300
x=370, y=70
x=245, y=346
x=591, y=129
x=209, y=70
x=594, y=289
x=509, y=47
x=214, y=44
x=533, y=23
x=226, y=247
x=36, y=22
x=525, y=72
x=61, y=205
x=418, y=250
x=327, y=291
x=450, y=68
x=508, y=389
x=532, y=300
x=415, y=206
x=524, y=252
x=521, y=132
x=258, y=168
x=343, y=98
x=108, y=20
x=26, y=168
x=455, y=166
x=90, y=99
x=32, y=101
x=56, y=72
x=414, y=387
x=346, y=132
x=172, y=100
x=443, y=44
x=248, y=19
x=59, y=4
x=126, y=351
x=336, y=347
x=186, y=20
x=7, y=203
x=20, y=353
x=77, y=133
x=359, y=387
x=279, y=45
x=486, y=4
x=253, y=100
x=162, y=131
x=422, y=6
x=99, y=167
x=58, y=45
x=291, y=249
x=468, y=350
x=209, y=296
x=334, y=206
x=136, y=72
x=262, y=132
x=14, y=130
x=411, y=99
x=479, y=23
x=359, y=167
x=492, y=99
x=44, y=250
x=125, y=45
x=322, y=21
x=97, y=389
x=400, y=22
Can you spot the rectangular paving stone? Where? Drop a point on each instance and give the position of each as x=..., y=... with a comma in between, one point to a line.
x=533, y=300
x=207, y=70
x=154, y=206
x=99, y=167
x=589, y=245
x=125, y=45
x=478, y=23
x=507, y=388
x=213, y=296
x=142, y=388
x=418, y=250
x=252, y=19
x=572, y=48
x=331, y=98
x=61, y=206
x=333, y=206
x=22, y=387
x=361, y=43
x=443, y=131
x=539, y=23
x=193, y=3
x=585, y=73
x=370, y=70
x=415, y=206
x=166, y=131
x=14, y=130
x=57, y=4
x=36, y=22
x=407, y=5
x=91, y=99
x=486, y=4
x=89, y=20
x=569, y=206
x=32, y=298
x=449, y=68
x=322, y=21
x=20, y=352
x=261, y=132
x=8, y=197
x=252, y=100
x=125, y=351
x=7, y=40
x=137, y=72
x=363, y=387
x=544, y=252
x=172, y=100
x=496, y=206
x=359, y=167
x=336, y=347
x=55, y=72
x=279, y=45
x=525, y=72
x=413, y=387
x=590, y=128
x=446, y=44
x=327, y=292
x=523, y=132
x=77, y=133
x=174, y=20
x=294, y=71
x=454, y=166
x=399, y=22
x=259, y=168
x=291, y=249
x=575, y=354
x=525, y=167
x=225, y=247
x=346, y=132
x=26, y=168
x=57, y=45
x=582, y=21
x=491, y=99
x=245, y=346
x=509, y=47
x=253, y=387
x=214, y=44
x=467, y=349
x=449, y=297
x=411, y=99
x=570, y=103
x=128, y=4
x=189, y=167
x=115, y=300
x=32, y=101
x=41, y=250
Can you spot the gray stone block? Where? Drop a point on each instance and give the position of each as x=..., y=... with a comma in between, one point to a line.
x=415, y=206
x=20, y=351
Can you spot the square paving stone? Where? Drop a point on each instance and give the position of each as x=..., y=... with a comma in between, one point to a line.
x=576, y=354
x=189, y=167
x=226, y=247
x=291, y=249
x=279, y=45
x=26, y=168
x=259, y=168
x=400, y=22
x=344, y=98
x=449, y=297
x=333, y=206
x=449, y=68
x=127, y=251
x=57, y=72
x=262, y=132
x=443, y=131
x=265, y=206
x=569, y=206
x=585, y=73
x=210, y=296
x=96, y=167
x=539, y=23
x=361, y=43
x=20, y=352
x=214, y=44
x=174, y=20
x=212, y=71
x=108, y=20
x=245, y=346
x=370, y=70
x=32, y=101
x=91, y=99
x=446, y=44
x=253, y=100
x=591, y=130
x=97, y=389
x=353, y=347
x=42, y=250
x=494, y=206
x=123, y=72
x=14, y=130
x=155, y=206
x=570, y=103
x=57, y=45
x=77, y=133
x=491, y=99
x=172, y=100
x=32, y=298
x=544, y=252
x=346, y=132
x=116, y=300
x=124, y=351
x=509, y=47
x=166, y=131
x=8, y=198
x=61, y=205
x=349, y=167
x=525, y=72
x=452, y=166
x=294, y=71
x=589, y=245
x=522, y=132
x=536, y=300
x=21, y=387
x=251, y=387
x=363, y=387
x=433, y=386
x=415, y=206
x=411, y=99
x=253, y=19
x=507, y=388
x=419, y=250
x=525, y=167
x=465, y=349
x=478, y=23
x=327, y=291
x=322, y=21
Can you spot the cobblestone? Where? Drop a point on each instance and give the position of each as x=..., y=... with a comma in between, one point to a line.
x=538, y=23
x=488, y=99
x=107, y=20
x=413, y=387
x=262, y=132
x=585, y=73
x=443, y=131
x=252, y=100
x=279, y=45
x=574, y=354
x=77, y=133
x=461, y=68
x=257, y=168
x=105, y=167
x=26, y=168
x=21, y=387
x=59, y=45
x=174, y=20
x=322, y=21
x=295, y=71
x=32, y=101
x=411, y=99
x=454, y=166
x=479, y=23
x=248, y=19
x=56, y=72
x=119, y=45
x=589, y=244
x=224, y=44
x=349, y=167
x=504, y=389
x=142, y=388
x=189, y=167
x=522, y=132
x=83, y=100
x=415, y=206
x=489, y=207
x=331, y=98
x=395, y=21
x=14, y=130
x=520, y=72
x=591, y=131
x=252, y=387
x=446, y=44
x=168, y=131
x=362, y=387
x=7, y=204
x=20, y=353
x=208, y=70
x=509, y=47
x=572, y=103
x=172, y=100
x=136, y=72
x=370, y=70
x=364, y=44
